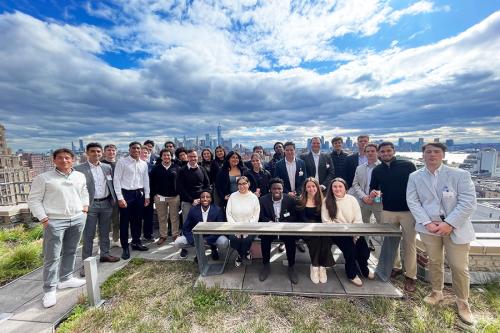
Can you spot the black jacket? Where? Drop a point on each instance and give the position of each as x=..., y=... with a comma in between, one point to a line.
x=339, y=161
x=392, y=180
x=191, y=182
x=162, y=181
x=223, y=185
x=287, y=214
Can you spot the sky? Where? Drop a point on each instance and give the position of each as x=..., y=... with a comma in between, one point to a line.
x=124, y=70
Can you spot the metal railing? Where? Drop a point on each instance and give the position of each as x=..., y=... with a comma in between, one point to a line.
x=479, y=200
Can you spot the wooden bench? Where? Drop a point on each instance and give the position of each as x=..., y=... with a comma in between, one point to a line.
x=279, y=229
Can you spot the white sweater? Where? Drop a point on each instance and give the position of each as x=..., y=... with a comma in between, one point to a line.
x=243, y=208
x=56, y=196
x=348, y=211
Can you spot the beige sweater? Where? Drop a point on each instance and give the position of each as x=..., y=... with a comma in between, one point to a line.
x=348, y=211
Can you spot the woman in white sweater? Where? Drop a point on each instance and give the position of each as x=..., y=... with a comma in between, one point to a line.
x=340, y=207
x=242, y=207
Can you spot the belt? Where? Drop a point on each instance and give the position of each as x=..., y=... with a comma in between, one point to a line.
x=135, y=190
x=101, y=199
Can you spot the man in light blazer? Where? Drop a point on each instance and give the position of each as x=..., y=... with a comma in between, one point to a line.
x=442, y=200
x=101, y=198
x=291, y=170
x=318, y=165
x=361, y=188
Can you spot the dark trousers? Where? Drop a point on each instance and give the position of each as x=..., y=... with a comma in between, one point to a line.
x=354, y=253
x=320, y=251
x=265, y=245
x=147, y=216
x=241, y=245
x=131, y=215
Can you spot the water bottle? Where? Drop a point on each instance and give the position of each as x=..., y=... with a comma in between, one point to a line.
x=378, y=198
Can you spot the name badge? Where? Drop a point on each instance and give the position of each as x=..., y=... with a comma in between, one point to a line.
x=301, y=173
x=163, y=199
x=108, y=177
x=328, y=166
x=287, y=214
x=180, y=212
x=448, y=194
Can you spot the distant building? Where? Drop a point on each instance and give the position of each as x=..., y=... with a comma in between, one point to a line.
x=15, y=179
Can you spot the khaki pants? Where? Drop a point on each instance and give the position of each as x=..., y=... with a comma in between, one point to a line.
x=368, y=210
x=407, y=223
x=168, y=208
x=458, y=260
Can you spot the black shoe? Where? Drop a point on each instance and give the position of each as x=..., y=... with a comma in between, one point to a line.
x=184, y=253
x=264, y=273
x=292, y=274
x=215, y=253
x=281, y=248
x=126, y=253
x=301, y=247
x=139, y=247
x=195, y=259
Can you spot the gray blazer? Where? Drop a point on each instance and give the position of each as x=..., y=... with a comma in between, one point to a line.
x=360, y=181
x=455, y=194
x=108, y=175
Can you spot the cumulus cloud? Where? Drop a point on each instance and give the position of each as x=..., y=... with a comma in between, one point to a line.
x=202, y=67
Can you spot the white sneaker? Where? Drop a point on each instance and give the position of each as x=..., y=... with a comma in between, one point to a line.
x=371, y=275
x=357, y=281
x=314, y=274
x=322, y=274
x=49, y=299
x=115, y=244
x=71, y=283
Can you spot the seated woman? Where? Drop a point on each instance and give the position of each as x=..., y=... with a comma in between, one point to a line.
x=260, y=175
x=309, y=210
x=242, y=207
x=206, y=212
x=231, y=171
x=340, y=207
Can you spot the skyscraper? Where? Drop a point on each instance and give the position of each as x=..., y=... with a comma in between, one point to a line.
x=219, y=135
x=82, y=149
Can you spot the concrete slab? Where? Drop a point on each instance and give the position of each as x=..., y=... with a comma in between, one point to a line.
x=307, y=287
x=369, y=288
x=277, y=282
x=231, y=279
x=16, y=326
x=36, y=275
x=35, y=312
x=17, y=293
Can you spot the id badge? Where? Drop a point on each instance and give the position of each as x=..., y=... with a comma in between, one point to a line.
x=108, y=177
x=287, y=214
x=448, y=194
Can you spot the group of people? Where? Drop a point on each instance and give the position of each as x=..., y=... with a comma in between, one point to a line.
x=436, y=202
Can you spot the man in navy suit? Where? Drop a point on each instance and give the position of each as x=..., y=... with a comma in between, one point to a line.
x=206, y=212
x=291, y=170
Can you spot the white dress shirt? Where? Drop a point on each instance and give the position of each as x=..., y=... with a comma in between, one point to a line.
x=204, y=214
x=316, y=164
x=434, y=181
x=100, y=188
x=277, y=208
x=291, y=169
x=131, y=174
x=362, y=159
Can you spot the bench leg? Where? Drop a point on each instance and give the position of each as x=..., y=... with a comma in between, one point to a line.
x=200, y=254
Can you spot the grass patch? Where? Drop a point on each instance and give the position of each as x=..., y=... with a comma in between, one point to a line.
x=20, y=252
x=150, y=296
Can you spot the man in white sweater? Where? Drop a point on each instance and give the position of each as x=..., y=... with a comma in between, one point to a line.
x=59, y=200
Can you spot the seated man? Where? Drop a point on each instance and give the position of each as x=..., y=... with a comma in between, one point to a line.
x=205, y=212
x=277, y=207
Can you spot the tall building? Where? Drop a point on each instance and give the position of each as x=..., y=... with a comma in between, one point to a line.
x=15, y=179
x=82, y=148
x=348, y=143
x=488, y=158
x=401, y=143
x=219, y=135
x=207, y=141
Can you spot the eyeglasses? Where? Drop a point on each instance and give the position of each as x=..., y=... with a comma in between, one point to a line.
x=245, y=183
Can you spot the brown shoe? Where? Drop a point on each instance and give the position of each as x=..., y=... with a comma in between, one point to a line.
x=435, y=297
x=161, y=241
x=175, y=237
x=109, y=259
x=464, y=312
x=410, y=284
x=396, y=272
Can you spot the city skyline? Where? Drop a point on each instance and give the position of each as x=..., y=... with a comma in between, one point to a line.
x=112, y=71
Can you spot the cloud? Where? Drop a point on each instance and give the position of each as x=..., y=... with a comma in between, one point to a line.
x=56, y=87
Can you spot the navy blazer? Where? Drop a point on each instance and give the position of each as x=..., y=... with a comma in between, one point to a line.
x=287, y=208
x=215, y=214
x=326, y=169
x=300, y=175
